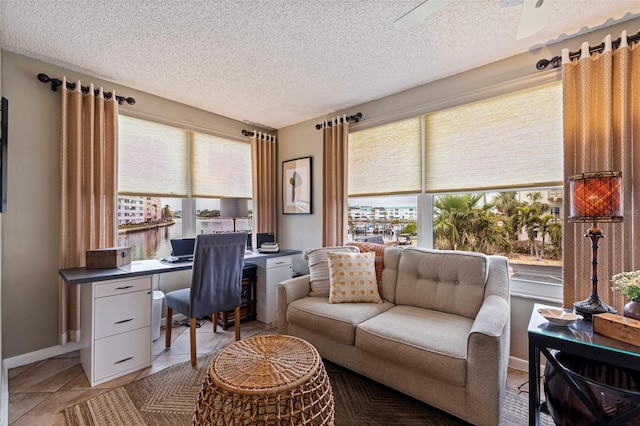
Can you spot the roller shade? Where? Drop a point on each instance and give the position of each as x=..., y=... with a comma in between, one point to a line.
x=385, y=160
x=510, y=141
x=152, y=159
x=221, y=168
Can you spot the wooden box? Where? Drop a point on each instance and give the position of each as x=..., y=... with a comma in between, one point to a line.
x=617, y=327
x=107, y=258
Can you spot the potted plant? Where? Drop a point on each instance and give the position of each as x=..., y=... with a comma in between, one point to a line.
x=628, y=283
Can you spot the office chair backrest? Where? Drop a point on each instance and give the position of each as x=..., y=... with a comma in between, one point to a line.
x=217, y=273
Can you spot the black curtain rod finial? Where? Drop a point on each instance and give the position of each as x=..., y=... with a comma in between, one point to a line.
x=356, y=117
x=556, y=61
x=55, y=83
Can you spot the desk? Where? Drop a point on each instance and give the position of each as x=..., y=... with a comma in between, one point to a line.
x=116, y=309
x=577, y=339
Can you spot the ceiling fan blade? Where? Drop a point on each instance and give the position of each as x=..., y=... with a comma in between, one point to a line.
x=534, y=17
x=419, y=13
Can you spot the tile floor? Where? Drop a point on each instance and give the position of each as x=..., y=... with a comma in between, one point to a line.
x=39, y=391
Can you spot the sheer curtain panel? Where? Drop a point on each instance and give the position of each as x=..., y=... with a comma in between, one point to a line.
x=334, y=195
x=263, y=159
x=601, y=92
x=88, y=169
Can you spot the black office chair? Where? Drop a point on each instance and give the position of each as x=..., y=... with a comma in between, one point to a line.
x=215, y=284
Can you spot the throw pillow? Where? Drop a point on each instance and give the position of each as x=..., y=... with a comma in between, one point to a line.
x=317, y=259
x=378, y=249
x=352, y=278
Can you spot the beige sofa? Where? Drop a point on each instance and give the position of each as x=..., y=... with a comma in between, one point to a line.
x=441, y=335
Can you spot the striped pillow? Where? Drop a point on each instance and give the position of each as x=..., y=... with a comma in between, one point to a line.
x=317, y=259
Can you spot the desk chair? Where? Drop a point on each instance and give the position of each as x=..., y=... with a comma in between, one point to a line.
x=215, y=284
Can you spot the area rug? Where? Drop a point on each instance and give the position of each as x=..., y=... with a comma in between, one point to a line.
x=167, y=398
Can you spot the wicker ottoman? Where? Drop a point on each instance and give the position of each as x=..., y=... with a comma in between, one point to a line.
x=266, y=380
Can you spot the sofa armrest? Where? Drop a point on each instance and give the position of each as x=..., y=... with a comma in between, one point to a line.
x=488, y=349
x=288, y=291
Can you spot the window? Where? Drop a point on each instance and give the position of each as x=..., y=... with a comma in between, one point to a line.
x=170, y=181
x=488, y=179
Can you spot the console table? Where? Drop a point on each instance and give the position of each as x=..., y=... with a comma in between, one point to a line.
x=577, y=339
x=116, y=309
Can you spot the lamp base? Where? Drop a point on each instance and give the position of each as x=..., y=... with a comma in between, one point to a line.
x=592, y=306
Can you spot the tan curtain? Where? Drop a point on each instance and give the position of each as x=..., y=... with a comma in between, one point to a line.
x=334, y=193
x=88, y=164
x=263, y=169
x=601, y=94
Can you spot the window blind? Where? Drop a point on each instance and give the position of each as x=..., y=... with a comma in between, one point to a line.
x=385, y=160
x=510, y=141
x=221, y=168
x=152, y=159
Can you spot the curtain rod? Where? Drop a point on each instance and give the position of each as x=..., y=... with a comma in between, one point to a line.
x=251, y=133
x=356, y=117
x=556, y=61
x=55, y=83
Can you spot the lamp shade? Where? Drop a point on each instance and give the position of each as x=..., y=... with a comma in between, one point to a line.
x=234, y=207
x=595, y=197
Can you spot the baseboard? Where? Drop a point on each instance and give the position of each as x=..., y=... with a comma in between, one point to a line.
x=518, y=363
x=40, y=355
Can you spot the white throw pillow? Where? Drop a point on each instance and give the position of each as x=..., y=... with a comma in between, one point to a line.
x=317, y=259
x=352, y=278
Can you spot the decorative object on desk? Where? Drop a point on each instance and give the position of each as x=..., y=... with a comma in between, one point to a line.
x=595, y=197
x=269, y=247
x=617, y=327
x=558, y=316
x=108, y=258
x=234, y=208
x=296, y=186
x=628, y=283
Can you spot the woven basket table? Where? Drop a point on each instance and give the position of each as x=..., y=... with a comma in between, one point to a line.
x=266, y=380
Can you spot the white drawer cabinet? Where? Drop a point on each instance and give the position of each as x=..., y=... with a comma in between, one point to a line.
x=116, y=328
x=271, y=271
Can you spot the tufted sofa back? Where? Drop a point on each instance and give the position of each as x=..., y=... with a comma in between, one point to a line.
x=442, y=280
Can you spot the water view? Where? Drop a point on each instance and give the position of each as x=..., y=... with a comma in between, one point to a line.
x=154, y=243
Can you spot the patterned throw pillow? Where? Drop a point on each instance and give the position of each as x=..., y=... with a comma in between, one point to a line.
x=378, y=249
x=319, y=267
x=352, y=278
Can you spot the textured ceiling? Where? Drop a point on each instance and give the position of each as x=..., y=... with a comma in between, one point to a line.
x=280, y=62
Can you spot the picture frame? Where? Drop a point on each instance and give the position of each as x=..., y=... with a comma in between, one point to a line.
x=296, y=186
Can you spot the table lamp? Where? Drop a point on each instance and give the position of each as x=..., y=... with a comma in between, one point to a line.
x=595, y=197
x=234, y=208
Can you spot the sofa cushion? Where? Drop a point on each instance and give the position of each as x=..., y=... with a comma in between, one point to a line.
x=352, y=278
x=319, y=267
x=378, y=249
x=337, y=321
x=442, y=280
x=427, y=341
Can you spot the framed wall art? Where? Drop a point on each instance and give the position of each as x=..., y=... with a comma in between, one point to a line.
x=296, y=186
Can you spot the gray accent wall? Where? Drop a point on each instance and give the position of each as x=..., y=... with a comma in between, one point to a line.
x=30, y=228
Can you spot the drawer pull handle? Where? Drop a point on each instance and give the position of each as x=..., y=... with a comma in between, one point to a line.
x=279, y=263
x=124, y=287
x=123, y=360
x=123, y=321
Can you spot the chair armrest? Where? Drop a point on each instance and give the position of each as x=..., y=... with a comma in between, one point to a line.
x=288, y=291
x=488, y=349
